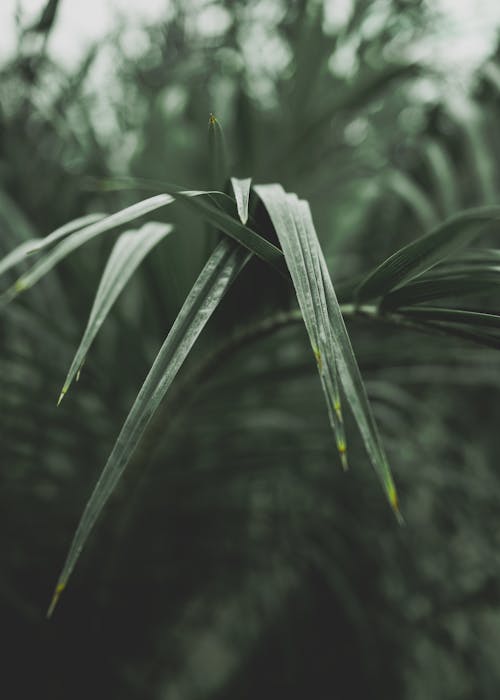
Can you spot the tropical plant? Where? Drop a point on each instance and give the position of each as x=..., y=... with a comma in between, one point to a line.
x=236, y=558
x=422, y=271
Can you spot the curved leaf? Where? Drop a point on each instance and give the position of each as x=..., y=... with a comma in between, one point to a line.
x=129, y=251
x=220, y=271
x=420, y=255
x=323, y=318
x=75, y=240
x=34, y=245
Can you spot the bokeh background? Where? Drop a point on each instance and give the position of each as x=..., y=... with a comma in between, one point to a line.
x=236, y=560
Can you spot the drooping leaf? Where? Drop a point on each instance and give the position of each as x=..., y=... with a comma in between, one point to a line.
x=35, y=245
x=129, y=251
x=215, y=208
x=84, y=235
x=220, y=271
x=224, y=222
x=302, y=260
x=295, y=229
x=241, y=189
x=422, y=254
x=199, y=201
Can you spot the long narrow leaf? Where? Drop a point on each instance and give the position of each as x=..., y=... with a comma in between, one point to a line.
x=75, y=240
x=128, y=253
x=450, y=287
x=297, y=235
x=220, y=271
x=420, y=255
x=34, y=245
x=223, y=221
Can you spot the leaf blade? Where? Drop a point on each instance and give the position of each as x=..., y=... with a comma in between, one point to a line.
x=241, y=189
x=34, y=245
x=342, y=358
x=128, y=252
x=79, y=238
x=221, y=269
x=419, y=256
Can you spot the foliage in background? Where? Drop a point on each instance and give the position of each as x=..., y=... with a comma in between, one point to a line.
x=235, y=558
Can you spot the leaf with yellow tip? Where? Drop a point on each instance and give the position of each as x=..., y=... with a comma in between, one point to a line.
x=35, y=245
x=129, y=251
x=323, y=319
x=55, y=598
x=84, y=235
x=302, y=256
x=222, y=268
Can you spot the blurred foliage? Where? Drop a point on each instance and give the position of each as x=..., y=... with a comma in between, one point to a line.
x=237, y=559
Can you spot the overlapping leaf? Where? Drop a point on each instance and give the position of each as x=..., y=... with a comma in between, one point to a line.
x=323, y=319
x=200, y=202
x=222, y=268
x=84, y=235
x=447, y=287
x=35, y=245
x=422, y=254
x=129, y=251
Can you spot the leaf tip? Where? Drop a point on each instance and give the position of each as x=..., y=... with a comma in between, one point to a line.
x=62, y=394
x=19, y=286
x=342, y=450
x=394, y=502
x=55, y=598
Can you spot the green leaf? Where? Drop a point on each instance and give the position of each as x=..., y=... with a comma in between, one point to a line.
x=422, y=254
x=35, y=245
x=75, y=240
x=215, y=208
x=129, y=251
x=323, y=318
x=217, y=151
x=302, y=260
x=452, y=286
x=200, y=203
x=220, y=271
x=241, y=189
x=460, y=316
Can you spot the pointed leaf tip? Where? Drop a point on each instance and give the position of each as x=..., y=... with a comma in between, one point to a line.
x=241, y=189
x=392, y=495
x=342, y=450
x=55, y=599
